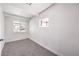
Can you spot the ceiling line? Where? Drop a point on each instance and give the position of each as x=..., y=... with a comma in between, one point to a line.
x=42, y=11
x=47, y=8
x=16, y=15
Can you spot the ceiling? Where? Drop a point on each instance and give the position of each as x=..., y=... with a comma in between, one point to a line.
x=24, y=9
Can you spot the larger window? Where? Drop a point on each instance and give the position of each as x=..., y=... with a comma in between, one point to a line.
x=18, y=26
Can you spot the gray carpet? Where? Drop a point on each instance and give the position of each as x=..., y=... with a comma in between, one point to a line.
x=25, y=47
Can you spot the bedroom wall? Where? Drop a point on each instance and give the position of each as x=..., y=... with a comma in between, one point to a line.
x=62, y=35
x=10, y=34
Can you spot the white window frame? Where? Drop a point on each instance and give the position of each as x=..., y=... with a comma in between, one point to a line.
x=44, y=22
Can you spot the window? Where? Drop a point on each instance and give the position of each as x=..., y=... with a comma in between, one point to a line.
x=44, y=22
x=18, y=26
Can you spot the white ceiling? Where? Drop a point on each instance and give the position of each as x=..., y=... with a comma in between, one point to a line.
x=24, y=9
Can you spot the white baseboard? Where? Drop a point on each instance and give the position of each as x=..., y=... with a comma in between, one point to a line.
x=58, y=54
x=39, y=44
x=16, y=39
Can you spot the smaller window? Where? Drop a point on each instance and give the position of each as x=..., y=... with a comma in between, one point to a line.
x=44, y=22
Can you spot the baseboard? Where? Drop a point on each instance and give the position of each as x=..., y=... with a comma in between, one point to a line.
x=16, y=39
x=58, y=54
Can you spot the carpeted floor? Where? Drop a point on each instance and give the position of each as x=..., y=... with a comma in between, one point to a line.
x=25, y=47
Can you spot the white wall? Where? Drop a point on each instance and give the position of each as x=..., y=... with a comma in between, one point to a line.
x=10, y=34
x=62, y=35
